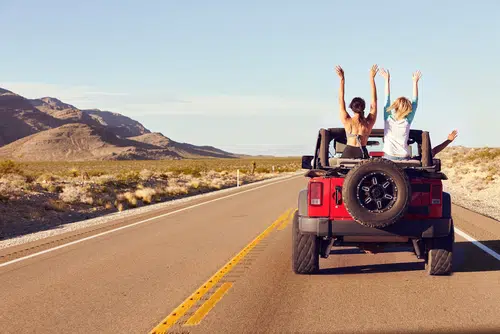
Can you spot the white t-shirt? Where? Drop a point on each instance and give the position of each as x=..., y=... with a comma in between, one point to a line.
x=396, y=132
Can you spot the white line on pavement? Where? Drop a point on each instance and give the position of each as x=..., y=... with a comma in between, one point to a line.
x=138, y=223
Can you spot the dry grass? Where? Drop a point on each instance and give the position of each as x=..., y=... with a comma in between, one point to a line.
x=134, y=168
x=49, y=191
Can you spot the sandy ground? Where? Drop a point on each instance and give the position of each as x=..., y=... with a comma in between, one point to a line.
x=473, y=178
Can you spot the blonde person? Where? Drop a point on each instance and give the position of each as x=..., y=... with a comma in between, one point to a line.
x=398, y=117
x=358, y=127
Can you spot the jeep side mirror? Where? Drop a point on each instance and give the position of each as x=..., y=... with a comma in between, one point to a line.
x=306, y=161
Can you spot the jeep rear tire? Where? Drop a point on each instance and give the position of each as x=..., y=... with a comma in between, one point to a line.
x=376, y=193
x=439, y=259
x=305, y=250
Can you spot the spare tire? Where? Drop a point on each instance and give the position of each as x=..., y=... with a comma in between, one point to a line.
x=376, y=193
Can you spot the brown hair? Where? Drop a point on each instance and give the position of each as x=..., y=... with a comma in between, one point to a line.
x=358, y=105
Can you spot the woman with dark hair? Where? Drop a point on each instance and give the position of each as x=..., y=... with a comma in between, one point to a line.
x=358, y=127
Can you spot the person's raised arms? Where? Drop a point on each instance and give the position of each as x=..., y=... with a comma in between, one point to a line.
x=387, y=91
x=414, y=103
x=372, y=117
x=344, y=116
x=443, y=145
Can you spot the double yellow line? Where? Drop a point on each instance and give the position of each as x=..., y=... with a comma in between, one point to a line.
x=196, y=318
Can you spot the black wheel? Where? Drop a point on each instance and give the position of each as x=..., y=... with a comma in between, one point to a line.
x=305, y=250
x=440, y=254
x=376, y=193
x=446, y=205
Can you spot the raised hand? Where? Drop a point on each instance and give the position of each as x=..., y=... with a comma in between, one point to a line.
x=452, y=135
x=340, y=71
x=373, y=71
x=416, y=76
x=385, y=73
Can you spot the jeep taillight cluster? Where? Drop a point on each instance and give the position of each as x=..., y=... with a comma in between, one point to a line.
x=315, y=193
x=436, y=193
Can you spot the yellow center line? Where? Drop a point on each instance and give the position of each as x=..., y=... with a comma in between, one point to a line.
x=198, y=316
x=180, y=310
x=287, y=220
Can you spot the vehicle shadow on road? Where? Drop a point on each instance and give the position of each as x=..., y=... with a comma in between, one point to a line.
x=469, y=258
x=373, y=268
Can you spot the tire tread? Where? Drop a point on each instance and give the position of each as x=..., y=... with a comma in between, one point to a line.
x=305, y=250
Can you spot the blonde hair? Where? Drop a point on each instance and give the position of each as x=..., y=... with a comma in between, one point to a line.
x=402, y=107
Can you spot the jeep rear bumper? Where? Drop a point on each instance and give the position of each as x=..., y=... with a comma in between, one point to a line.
x=324, y=227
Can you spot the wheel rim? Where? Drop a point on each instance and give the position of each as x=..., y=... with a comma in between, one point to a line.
x=377, y=192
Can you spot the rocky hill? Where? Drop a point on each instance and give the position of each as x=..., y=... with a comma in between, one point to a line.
x=49, y=129
x=119, y=124
x=19, y=118
x=183, y=149
x=77, y=142
x=62, y=111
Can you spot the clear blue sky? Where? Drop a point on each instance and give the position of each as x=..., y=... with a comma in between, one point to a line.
x=256, y=77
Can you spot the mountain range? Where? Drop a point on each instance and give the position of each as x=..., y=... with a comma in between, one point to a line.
x=47, y=129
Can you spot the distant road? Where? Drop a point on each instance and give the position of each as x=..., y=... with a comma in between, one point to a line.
x=225, y=267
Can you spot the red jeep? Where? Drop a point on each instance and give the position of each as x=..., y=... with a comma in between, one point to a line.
x=372, y=203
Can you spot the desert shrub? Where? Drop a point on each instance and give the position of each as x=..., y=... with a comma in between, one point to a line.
x=105, y=180
x=120, y=206
x=53, y=188
x=76, y=194
x=489, y=178
x=493, y=170
x=96, y=173
x=8, y=189
x=130, y=198
x=217, y=183
x=145, y=174
x=194, y=184
x=176, y=190
x=10, y=167
x=129, y=176
x=56, y=205
x=485, y=154
x=263, y=170
x=192, y=171
x=46, y=178
x=164, y=175
x=73, y=172
x=146, y=195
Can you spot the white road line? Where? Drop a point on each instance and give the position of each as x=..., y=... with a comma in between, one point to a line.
x=139, y=222
x=478, y=244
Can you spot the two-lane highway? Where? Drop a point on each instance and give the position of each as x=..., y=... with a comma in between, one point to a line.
x=225, y=266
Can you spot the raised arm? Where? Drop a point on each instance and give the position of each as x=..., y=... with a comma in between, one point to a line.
x=344, y=116
x=414, y=103
x=443, y=145
x=372, y=117
x=387, y=102
x=416, y=78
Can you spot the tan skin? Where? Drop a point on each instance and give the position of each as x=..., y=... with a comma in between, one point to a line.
x=442, y=146
x=353, y=124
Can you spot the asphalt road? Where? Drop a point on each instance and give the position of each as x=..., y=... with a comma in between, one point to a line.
x=225, y=267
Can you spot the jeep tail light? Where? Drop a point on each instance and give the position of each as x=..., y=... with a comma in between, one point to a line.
x=315, y=193
x=436, y=190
